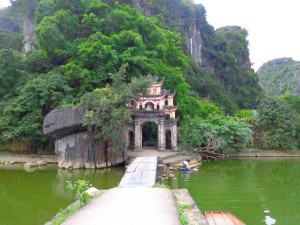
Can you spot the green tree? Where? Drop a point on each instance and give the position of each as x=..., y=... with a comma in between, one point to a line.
x=107, y=109
x=22, y=117
x=277, y=123
x=12, y=72
x=292, y=100
x=215, y=132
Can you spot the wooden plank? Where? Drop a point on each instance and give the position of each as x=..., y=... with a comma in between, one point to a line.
x=222, y=218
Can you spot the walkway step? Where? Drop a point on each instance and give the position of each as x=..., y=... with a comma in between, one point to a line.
x=171, y=155
x=145, y=153
x=179, y=159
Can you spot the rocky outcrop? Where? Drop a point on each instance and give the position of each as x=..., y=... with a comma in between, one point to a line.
x=194, y=43
x=76, y=147
x=78, y=151
x=29, y=35
x=63, y=122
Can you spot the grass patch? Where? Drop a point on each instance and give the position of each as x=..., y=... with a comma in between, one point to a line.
x=161, y=185
x=63, y=214
x=4, y=152
x=182, y=209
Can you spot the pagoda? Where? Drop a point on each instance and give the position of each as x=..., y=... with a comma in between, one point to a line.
x=156, y=108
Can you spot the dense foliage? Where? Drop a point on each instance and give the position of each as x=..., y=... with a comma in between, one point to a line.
x=225, y=75
x=215, y=132
x=108, y=113
x=279, y=76
x=79, y=43
x=278, y=124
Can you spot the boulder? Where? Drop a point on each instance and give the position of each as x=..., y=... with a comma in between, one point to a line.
x=62, y=122
x=41, y=162
x=93, y=191
x=31, y=164
x=76, y=147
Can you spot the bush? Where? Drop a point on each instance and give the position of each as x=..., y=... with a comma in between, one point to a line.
x=81, y=186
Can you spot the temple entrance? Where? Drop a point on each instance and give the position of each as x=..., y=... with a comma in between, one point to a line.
x=149, y=135
x=168, y=140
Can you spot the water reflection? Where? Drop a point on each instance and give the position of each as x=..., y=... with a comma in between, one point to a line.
x=98, y=178
x=185, y=176
x=269, y=220
x=256, y=190
x=33, y=197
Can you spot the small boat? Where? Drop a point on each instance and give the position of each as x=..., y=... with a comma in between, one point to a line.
x=192, y=165
x=222, y=218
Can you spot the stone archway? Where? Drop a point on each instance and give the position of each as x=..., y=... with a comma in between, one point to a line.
x=149, y=135
x=168, y=139
x=130, y=140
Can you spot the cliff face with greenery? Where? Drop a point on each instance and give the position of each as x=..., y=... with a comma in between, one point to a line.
x=279, y=76
x=78, y=43
x=223, y=71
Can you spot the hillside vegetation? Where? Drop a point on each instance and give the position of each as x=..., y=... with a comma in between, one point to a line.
x=77, y=45
x=280, y=76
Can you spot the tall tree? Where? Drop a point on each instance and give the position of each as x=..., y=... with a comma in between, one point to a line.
x=108, y=113
x=277, y=123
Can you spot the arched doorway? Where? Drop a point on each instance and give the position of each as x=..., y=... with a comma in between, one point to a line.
x=149, y=135
x=149, y=106
x=168, y=140
x=130, y=140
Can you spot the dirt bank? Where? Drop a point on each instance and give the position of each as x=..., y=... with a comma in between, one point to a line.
x=10, y=159
x=265, y=153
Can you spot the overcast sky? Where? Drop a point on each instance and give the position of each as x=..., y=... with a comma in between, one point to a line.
x=4, y=3
x=273, y=25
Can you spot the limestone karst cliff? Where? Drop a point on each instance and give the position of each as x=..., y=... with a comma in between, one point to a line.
x=280, y=76
x=222, y=56
x=76, y=44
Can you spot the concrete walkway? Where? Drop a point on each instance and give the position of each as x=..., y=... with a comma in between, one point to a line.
x=140, y=173
x=168, y=157
x=129, y=206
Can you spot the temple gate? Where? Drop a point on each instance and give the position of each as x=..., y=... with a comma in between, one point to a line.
x=156, y=108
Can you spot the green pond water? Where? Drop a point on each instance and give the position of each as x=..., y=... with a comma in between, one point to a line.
x=33, y=197
x=258, y=191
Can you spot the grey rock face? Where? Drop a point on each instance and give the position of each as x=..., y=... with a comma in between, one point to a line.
x=74, y=146
x=62, y=122
x=82, y=150
x=29, y=35
x=194, y=43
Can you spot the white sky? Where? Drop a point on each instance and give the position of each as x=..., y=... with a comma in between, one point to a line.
x=273, y=25
x=4, y=3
